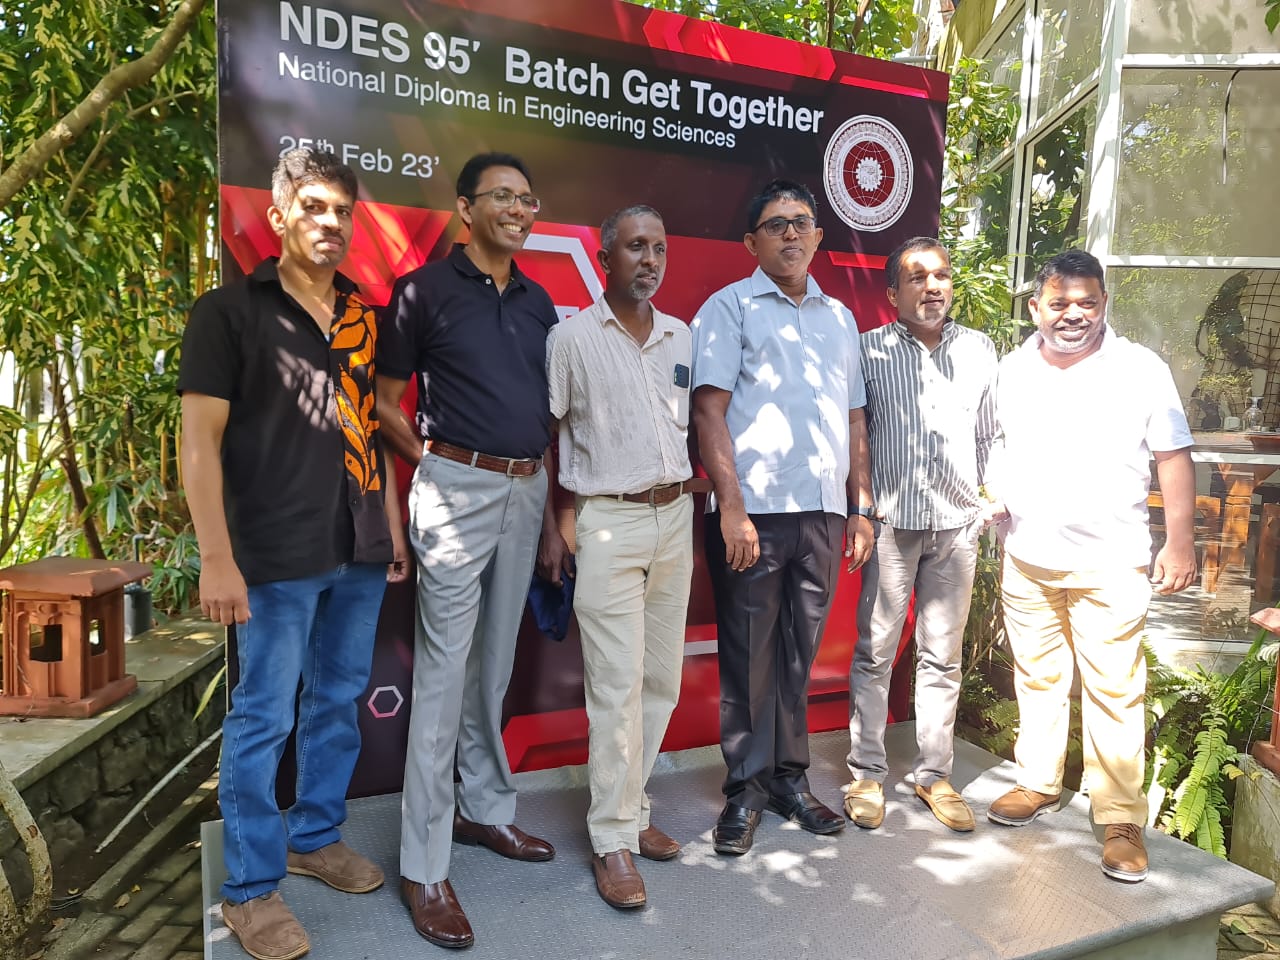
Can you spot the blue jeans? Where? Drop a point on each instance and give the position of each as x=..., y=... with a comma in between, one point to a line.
x=318, y=631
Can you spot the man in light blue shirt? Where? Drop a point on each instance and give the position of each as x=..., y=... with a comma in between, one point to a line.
x=777, y=404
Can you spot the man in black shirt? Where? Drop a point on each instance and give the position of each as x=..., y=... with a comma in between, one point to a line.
x=472, y=329
x=284, y=479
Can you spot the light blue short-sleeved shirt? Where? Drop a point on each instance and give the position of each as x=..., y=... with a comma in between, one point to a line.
x=794, y=373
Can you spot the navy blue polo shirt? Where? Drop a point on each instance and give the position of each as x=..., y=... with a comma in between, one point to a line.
x=480, y=356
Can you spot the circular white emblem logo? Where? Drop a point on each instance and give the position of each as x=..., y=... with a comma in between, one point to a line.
x=868, y=173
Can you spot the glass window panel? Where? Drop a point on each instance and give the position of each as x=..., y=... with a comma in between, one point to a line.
x=1219, y=330
x=1058, y=185
x=992, y=213
x=1070, y=49
x=1178, y=194
x=1004, y=69
x=1197, y=26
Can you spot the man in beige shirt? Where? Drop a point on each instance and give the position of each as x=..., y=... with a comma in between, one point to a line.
x=618, y=374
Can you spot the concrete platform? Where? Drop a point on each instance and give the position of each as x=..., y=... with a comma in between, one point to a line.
x=911, y=889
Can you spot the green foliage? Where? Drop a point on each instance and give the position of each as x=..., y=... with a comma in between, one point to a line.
x=104, y=252
x=981, y=119
x=1273, y=15
x=875, y=28
x=1202, y=722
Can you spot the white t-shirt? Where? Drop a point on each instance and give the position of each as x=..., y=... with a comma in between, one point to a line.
x=1074, y=465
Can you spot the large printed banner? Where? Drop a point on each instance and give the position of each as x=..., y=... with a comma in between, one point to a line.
x=609, y=104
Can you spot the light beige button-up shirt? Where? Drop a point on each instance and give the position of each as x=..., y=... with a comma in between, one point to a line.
x=623, y=407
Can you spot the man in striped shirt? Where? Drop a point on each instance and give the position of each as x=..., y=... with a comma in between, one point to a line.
x=930, y=422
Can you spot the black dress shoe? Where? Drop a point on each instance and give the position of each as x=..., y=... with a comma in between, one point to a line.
x=808, y=811
x=735, y=830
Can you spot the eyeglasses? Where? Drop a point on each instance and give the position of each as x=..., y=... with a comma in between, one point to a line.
x=503, y=198
x=777, y=226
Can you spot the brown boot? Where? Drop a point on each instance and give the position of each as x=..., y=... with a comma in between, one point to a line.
x=1124, y=855
x=1020, y=806
x=266, y=927
x=618, y=880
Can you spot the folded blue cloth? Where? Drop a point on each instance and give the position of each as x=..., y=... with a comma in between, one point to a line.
x=551, y=606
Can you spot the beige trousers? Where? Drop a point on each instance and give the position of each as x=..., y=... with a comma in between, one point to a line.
x=634, y=567
x=1060, y=621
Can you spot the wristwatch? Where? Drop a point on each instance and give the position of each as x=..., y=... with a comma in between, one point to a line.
x=867, y=512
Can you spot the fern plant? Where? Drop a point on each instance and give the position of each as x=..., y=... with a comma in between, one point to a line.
x=1202, y=722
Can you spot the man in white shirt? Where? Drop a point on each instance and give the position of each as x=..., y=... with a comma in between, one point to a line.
x=1083, y=412
x=618, y=374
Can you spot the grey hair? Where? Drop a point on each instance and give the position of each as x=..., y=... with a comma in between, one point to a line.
x=609, y=229
x=303, y=165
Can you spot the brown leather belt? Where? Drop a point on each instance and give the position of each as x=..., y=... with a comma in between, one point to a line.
x=666, y=493
x=512, y=468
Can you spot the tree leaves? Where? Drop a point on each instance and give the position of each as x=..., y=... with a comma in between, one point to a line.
x=102, y=254
x=874, y=28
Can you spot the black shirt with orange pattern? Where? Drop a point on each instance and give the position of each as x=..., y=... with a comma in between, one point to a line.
x=302, y=473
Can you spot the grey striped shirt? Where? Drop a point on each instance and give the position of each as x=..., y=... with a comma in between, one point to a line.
x=931, y=421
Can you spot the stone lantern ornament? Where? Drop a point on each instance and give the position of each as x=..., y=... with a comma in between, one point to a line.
x=64, y=636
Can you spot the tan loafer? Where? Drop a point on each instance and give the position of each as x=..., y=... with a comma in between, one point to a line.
x=864, y=803
x=947, y=805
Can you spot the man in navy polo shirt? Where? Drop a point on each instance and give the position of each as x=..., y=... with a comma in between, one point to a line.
x=473, y=329
x=285, y=483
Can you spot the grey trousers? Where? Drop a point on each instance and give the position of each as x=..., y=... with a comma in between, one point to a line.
x=938, y=565
x=475, y=533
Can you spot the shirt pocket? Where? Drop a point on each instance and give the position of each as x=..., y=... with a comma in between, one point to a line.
x=676, y=376
x=679, y=406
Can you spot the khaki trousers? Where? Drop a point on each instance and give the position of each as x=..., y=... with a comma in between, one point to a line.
x=635, y=564
x=1059, y=621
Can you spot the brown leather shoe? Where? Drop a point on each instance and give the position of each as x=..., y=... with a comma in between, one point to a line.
x=618, y=880
x=656, y=845
x=266, y=927
x=339, y=866
x=1020, y=806
x=947, y=805
x=437, y=915
x=506, y=839
x=1124, y=854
